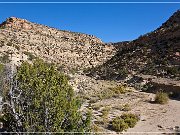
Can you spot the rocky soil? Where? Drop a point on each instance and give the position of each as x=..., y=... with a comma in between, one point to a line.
x=23, y=40
x=154, y=118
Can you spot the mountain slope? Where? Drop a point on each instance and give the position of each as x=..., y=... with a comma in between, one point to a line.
x=24, y=40
x=156, y=53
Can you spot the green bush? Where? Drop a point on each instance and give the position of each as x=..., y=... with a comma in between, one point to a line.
x=46, y=102
x=119, y=125
x=129, y=115
x=161, y=97
x=124, y=122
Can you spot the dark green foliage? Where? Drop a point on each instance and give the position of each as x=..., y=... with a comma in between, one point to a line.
x=47, y=101
x=124, y=122
x=7, y=120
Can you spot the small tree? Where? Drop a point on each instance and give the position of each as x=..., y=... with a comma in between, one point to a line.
x=43, y=101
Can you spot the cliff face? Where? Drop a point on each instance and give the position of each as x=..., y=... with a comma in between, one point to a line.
x=22, y=40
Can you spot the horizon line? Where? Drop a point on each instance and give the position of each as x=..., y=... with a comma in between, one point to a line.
x=88, y=2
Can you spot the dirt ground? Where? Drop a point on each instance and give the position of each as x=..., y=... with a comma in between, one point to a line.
x=154, y=118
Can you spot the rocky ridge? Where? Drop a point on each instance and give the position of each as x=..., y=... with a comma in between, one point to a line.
x=24, y=40
x=156, y=53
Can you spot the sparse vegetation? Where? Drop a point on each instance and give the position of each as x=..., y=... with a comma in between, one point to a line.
x=30, y=55
x=5, y=58
x=123, y=72
x=119, y=89
x=17, y=47
x=124, y=122
x=1, y=67
x=161, y=97
x=119, y=125
x=112, y=92
x=74, y=70
x=96, y=128
x=96, y=107
x=126, y=107
x=105, y=113
x=93, y=100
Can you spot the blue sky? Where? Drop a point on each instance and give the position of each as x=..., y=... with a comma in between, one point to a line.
x=110, y=22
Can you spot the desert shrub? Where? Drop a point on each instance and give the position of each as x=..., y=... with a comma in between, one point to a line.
x=93, y=100
x=123, y=72
x=119, y=125
x=73, y=70
x=126, y=107
x=45, y=102
x=1, y=67
x=130, y=119
x=105, y=113
x=161, y=97
x=96, y=128
x=105, y=94
x=124, y=122
x=119, y=89
x=112, y=92
x=96, y=107
x=5, y=58
x=173, y=70
x=30, y=55
x=129, y=115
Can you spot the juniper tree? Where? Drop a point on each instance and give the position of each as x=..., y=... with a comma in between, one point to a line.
x=44, y=102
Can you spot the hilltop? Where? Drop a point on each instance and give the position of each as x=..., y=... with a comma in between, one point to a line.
x=155, y=53
x=24, y=40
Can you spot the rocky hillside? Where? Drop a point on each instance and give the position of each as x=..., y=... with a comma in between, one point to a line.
x=155, y=53
x=24, y=40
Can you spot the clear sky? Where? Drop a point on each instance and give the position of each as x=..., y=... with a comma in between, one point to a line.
x=110, y=22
